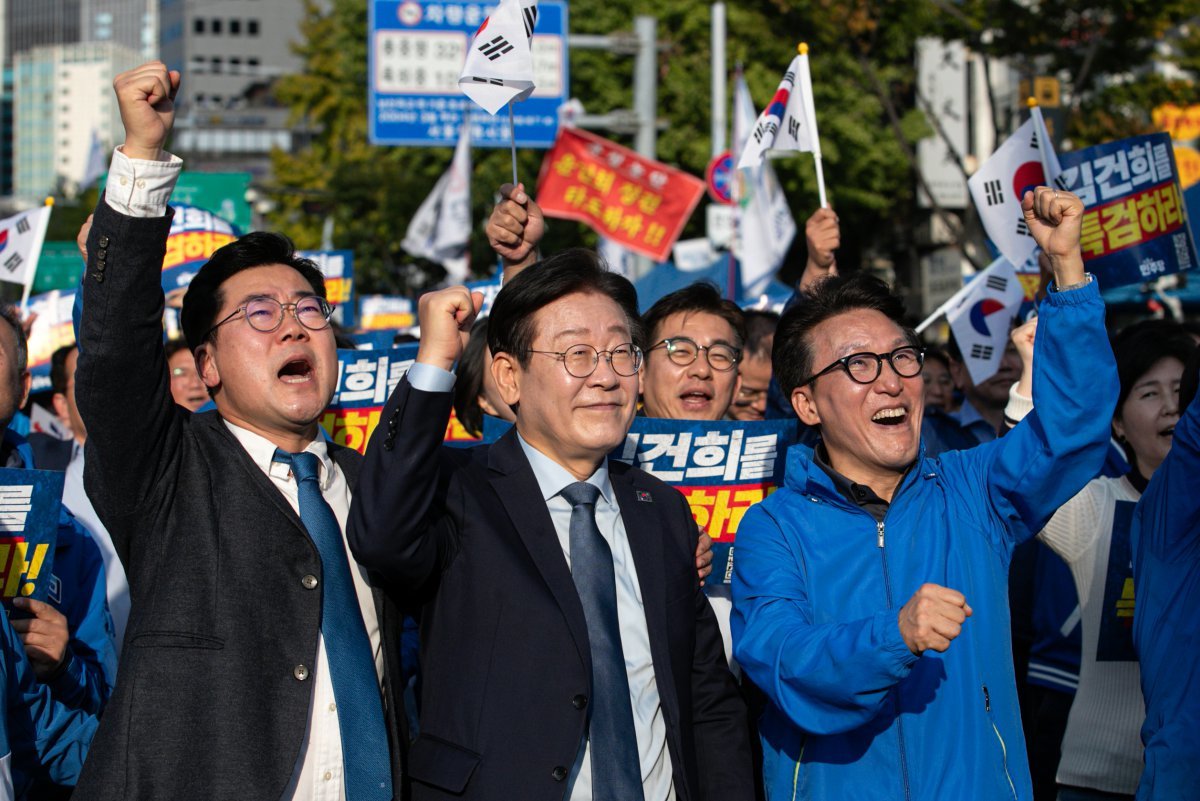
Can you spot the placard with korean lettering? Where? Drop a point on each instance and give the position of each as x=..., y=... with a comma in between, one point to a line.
x=365, y=381
x=637, y=202
x=337, y=266
x=52, y=329
x=195, y=235
x=1135, y=226
x=722, y=467
x=30, y=501
x=416, y=50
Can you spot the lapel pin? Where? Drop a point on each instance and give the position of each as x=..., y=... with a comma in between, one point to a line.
x=644, y=496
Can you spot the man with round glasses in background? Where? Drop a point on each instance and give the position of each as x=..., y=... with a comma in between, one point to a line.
x=258, y=660
x=871, y=591
x=694, y=343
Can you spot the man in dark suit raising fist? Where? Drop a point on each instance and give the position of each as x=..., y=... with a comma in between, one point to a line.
x=567, y=651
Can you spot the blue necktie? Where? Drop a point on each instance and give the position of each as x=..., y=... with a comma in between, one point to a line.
x=365, y=756
x=616, y=768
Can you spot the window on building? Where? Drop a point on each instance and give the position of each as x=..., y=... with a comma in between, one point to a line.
x=198, y=25
x=235, y=65
x=252, y=66
x=215, y=64
x=235, y=27
x=252, y=27
x=216, y=26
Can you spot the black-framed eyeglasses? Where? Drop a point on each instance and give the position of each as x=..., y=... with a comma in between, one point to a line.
x=866, y=367
x=581, y=360
x=683, y=351
x=266, y=314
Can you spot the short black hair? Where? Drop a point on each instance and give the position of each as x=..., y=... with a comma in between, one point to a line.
x=1191, y=378
x=58, y=369
x=700, y=297
x=1140, y=346
x=12, y=316
x=469, y=381
x=174, y=345
x=510, y=325
x=203, y=300
x=792, y=356
x=760, y=331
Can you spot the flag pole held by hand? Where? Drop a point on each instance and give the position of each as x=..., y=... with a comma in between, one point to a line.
x=512, y=138
x=810, y=111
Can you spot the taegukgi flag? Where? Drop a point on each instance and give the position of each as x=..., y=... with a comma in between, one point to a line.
x=21, y=238
x=765, y=227
x=440, y=230
x=789, y=121
x=1018, y=166
x=983, y=315
x=499, y=65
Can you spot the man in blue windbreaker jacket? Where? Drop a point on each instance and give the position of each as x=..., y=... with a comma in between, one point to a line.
x=871, y=592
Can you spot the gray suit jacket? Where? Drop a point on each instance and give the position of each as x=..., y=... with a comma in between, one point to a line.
x=210, y=702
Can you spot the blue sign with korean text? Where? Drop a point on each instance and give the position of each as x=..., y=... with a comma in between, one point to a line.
x=416, y=51
x=30, y=501
x=1135, y=227
x=338, y=268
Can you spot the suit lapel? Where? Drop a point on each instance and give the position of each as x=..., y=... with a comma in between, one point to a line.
x=512, y=478
x=255, y=474
x=644, y=527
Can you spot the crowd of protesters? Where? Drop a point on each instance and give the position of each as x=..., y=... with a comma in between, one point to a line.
x=243, y=608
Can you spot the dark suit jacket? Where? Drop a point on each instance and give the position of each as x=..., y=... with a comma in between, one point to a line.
x=209, y=703
x=505, y=659
x=51, y=453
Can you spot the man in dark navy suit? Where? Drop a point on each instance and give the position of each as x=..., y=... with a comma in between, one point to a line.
x=567, y=650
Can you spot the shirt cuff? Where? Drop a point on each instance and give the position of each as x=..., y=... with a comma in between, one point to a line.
x=140, y=188
x=428, y=378
x=1018, y=407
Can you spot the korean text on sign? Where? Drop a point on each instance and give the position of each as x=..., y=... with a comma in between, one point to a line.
x=634, y=201
x=29, y=511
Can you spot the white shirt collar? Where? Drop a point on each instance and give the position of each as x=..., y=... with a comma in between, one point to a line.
x=262, y=452
x=552, y=477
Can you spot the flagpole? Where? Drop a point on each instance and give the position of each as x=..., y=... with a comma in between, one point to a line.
x=36, y=254
x=512, y=139
x=810, y=111
x=1040, y=126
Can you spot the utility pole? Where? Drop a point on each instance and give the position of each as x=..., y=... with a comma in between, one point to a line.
x=719, y=101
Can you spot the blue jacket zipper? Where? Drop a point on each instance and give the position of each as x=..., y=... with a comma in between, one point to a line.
x=887, y=588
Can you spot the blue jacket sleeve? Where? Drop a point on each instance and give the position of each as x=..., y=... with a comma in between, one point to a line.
x=45, y=737
x=1168, y=514
x=828, y=678
x=86, y=679
x=1061, y=445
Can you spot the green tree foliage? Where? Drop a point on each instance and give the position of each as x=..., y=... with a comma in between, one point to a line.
x=861, y=55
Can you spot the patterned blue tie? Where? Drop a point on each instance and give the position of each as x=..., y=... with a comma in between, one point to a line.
x=365, y=756
x=616, y=768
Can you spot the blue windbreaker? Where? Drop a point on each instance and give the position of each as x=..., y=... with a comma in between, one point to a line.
x=818, y=584
x=1165, y=539
x=41, y=736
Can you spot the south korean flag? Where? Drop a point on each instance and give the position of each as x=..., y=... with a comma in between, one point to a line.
x=499, y=65
x=1024, y=162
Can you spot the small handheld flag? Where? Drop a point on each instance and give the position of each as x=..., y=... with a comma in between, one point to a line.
x=789, y=121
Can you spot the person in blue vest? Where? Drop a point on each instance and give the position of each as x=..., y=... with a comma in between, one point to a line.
x=870, y=592
x=39, y=737
x=1165, y=540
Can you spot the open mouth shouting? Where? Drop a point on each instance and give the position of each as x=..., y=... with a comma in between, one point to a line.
x=890, y=417
x=297, y=371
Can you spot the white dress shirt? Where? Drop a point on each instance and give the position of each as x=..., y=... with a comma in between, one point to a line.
x=318, y=775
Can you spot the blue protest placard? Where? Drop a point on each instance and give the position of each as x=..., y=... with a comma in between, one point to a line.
x=1135, y=227
x=338, y=268
x=416, y=52
x=722, y=467
x=365, y=381
x=30, y=501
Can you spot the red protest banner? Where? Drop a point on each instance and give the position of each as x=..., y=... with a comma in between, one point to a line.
x=639, y=203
